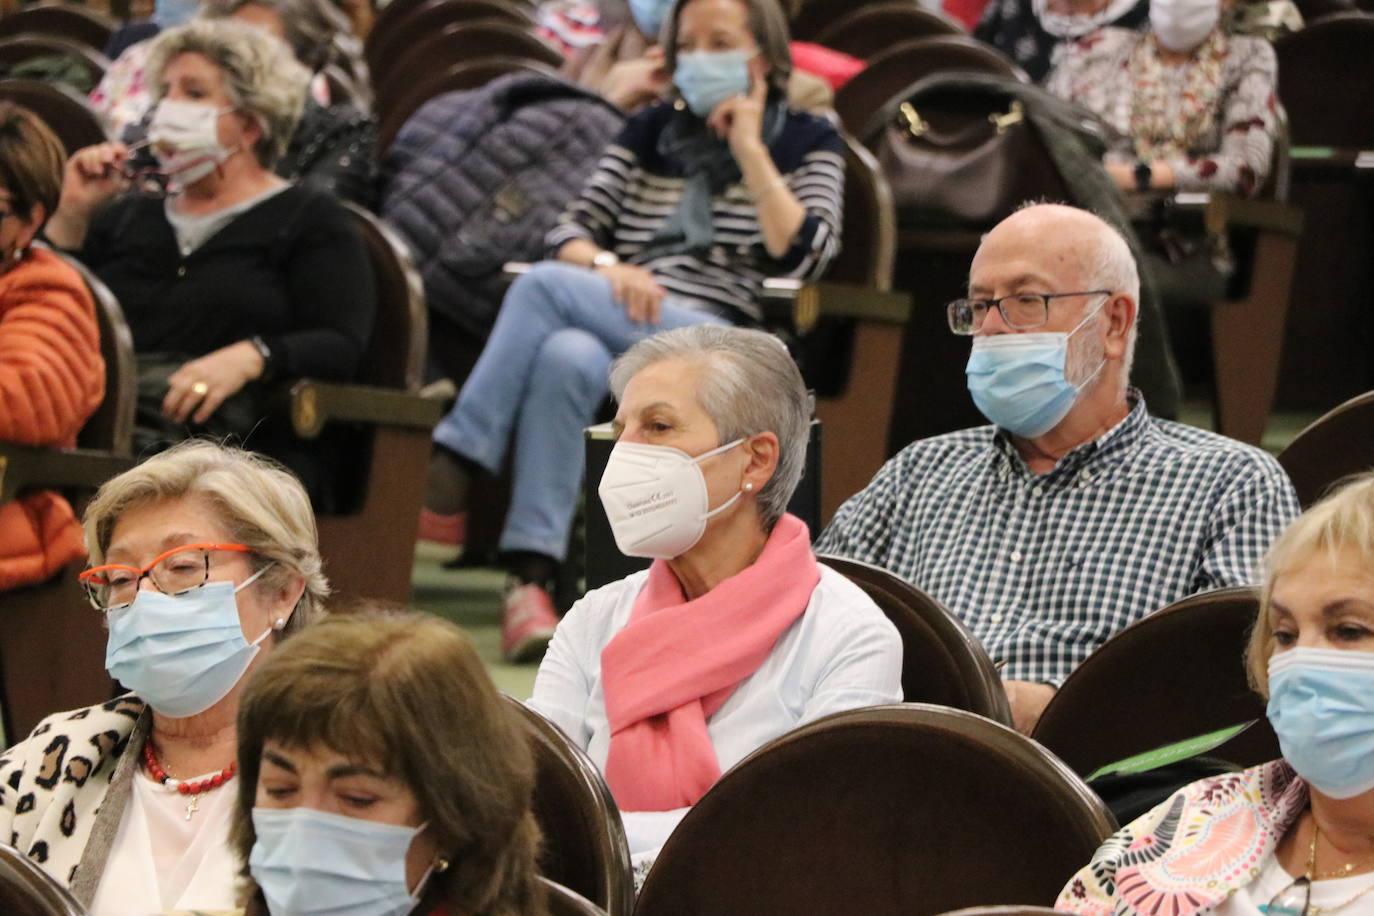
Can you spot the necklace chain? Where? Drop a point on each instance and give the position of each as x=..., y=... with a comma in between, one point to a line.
x=1340, y=873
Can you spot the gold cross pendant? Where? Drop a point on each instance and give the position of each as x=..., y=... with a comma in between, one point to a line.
x=192, y=806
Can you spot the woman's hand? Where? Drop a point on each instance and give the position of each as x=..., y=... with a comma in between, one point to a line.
x=634, y=288
x=739, y=120
x=198, y=388
x=633, y=83
x=93, y=175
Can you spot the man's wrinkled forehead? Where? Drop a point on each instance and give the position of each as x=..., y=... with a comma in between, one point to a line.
x=1041, y=254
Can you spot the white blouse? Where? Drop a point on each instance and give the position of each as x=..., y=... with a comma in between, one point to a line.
x=842, y=653
x=1326, y=895
x=161, y=861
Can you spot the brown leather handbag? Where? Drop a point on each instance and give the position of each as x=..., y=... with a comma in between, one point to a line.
x=961, y=157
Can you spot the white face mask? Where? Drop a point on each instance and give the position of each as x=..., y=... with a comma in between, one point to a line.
x=1181, y=25
x=185, y=138
x=655, y=498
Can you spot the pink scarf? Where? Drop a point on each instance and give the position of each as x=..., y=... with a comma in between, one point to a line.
x=676, y=663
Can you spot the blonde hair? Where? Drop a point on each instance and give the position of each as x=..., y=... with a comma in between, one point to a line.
x=1342, y=521
x=261, y=503
x=407, y=692
x=261, y=75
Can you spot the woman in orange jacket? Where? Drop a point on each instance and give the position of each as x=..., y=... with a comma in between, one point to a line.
x=52, y=376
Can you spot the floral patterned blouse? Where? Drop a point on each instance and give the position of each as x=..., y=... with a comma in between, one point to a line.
x=1213, y=119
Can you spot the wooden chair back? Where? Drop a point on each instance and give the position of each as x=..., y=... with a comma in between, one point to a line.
x=458, y=44
x=584, y=841
x=875, y=27
x=1005, y=911
x=1176, y=674
x=942, y=662
x=1333, y=51
x=396, y=354
x=904, y=809
x=111, y=427
x=18, y=49
x=1334, y=446
x=898, y=65
x=560, y=901
x=60, y=107
x=814, y=16
x=27, y=890
x=385, y=48
x=71, y=21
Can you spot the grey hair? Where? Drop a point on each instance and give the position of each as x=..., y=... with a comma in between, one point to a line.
x=310, y=25
x=1110, y=265
x=749, y=385
x=769, y=25
x=260, y=74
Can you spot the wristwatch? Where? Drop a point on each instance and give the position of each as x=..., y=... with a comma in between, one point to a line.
x=1143, y=175
x=268, y=367
x=605, y=259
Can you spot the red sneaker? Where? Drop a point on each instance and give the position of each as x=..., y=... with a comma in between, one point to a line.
x=443, y=529
x=527, y=624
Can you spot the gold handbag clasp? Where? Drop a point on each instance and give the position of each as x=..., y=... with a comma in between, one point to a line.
x=1015, y=115
x=914, y=123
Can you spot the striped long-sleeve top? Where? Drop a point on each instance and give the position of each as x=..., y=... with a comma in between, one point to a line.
x=634, y=190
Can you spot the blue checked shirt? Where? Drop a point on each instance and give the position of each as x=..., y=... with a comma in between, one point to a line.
x=1044, y=568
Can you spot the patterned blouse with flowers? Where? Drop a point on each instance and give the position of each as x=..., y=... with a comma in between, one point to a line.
x=1213, y=119
x=1189, y=854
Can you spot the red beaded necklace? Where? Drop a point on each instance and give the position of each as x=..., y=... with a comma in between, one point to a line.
x=190, y=788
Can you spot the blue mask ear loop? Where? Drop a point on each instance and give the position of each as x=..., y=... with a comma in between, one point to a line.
x=437, y=866
x=1078, y=389
x=280, y=622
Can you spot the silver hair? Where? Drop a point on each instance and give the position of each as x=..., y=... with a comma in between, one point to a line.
x=1110, y=265
x=748, y=385
x=310, y=26
x=260, y=74
x=768, y=23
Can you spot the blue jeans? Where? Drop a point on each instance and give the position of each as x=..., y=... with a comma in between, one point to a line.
x=542, y=375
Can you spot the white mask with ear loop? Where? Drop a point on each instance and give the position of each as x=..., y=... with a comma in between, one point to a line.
x=656, y=500
x=1182, y=25
x=185, y=139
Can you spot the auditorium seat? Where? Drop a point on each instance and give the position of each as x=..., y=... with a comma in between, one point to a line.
x=814, y=16
x=1176, y=674
x=1005, y=911
x=942, y=662
x=61, y=108
x=1336, y=445
x=41, y=674
x=584, y=845
x=874, y=27
x=898, y=66
x=72, y=21
x=27, y=46
x=458, y=44
x=369, y=552
x=384, y=47
x=905, y=809
x=27, y=890
x=563, y=902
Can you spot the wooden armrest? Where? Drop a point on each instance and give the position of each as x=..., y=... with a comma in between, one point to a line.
x=24, y=467
x=313, y=404
x=1222, y=212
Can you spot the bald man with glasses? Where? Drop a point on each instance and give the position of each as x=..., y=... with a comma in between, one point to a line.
x=1075, y=513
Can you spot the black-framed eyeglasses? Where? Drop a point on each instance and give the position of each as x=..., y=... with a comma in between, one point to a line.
x=1293, y=900
x=1020, y=311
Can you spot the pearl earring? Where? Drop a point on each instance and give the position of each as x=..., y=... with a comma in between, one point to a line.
x=748, y=487
x=280, y=624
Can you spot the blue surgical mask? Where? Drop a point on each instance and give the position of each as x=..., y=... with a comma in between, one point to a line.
x=182, y=653
x=707, y=78
x=649, y=15
x=1018, y=380
x=310, y=862
x=1321, y=704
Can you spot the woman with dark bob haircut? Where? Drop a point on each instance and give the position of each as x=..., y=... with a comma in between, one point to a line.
x=382, y=772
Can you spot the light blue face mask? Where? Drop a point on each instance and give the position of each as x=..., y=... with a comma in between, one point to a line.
x=168, y=13
x=649, y=15
x=1321, y=704
x=313, y=863
x=707, y=78
x=1018, y=380
x=181, y=654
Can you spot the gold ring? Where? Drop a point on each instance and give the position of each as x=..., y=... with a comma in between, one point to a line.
x=200, y=389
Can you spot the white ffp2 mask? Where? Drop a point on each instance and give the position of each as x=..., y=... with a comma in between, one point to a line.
x=655, y=498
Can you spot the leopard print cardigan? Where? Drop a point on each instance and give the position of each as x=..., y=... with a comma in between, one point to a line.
x=63, y=789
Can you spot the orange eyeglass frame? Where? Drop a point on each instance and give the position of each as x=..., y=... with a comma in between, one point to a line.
x=87, y=575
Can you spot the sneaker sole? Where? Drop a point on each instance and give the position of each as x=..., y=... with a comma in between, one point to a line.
x=529, y=649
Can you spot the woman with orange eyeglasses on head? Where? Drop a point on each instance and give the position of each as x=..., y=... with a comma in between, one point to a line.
x=202, y=559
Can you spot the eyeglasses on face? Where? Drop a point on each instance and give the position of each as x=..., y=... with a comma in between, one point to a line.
x=1020, y=311
x=172, y=572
